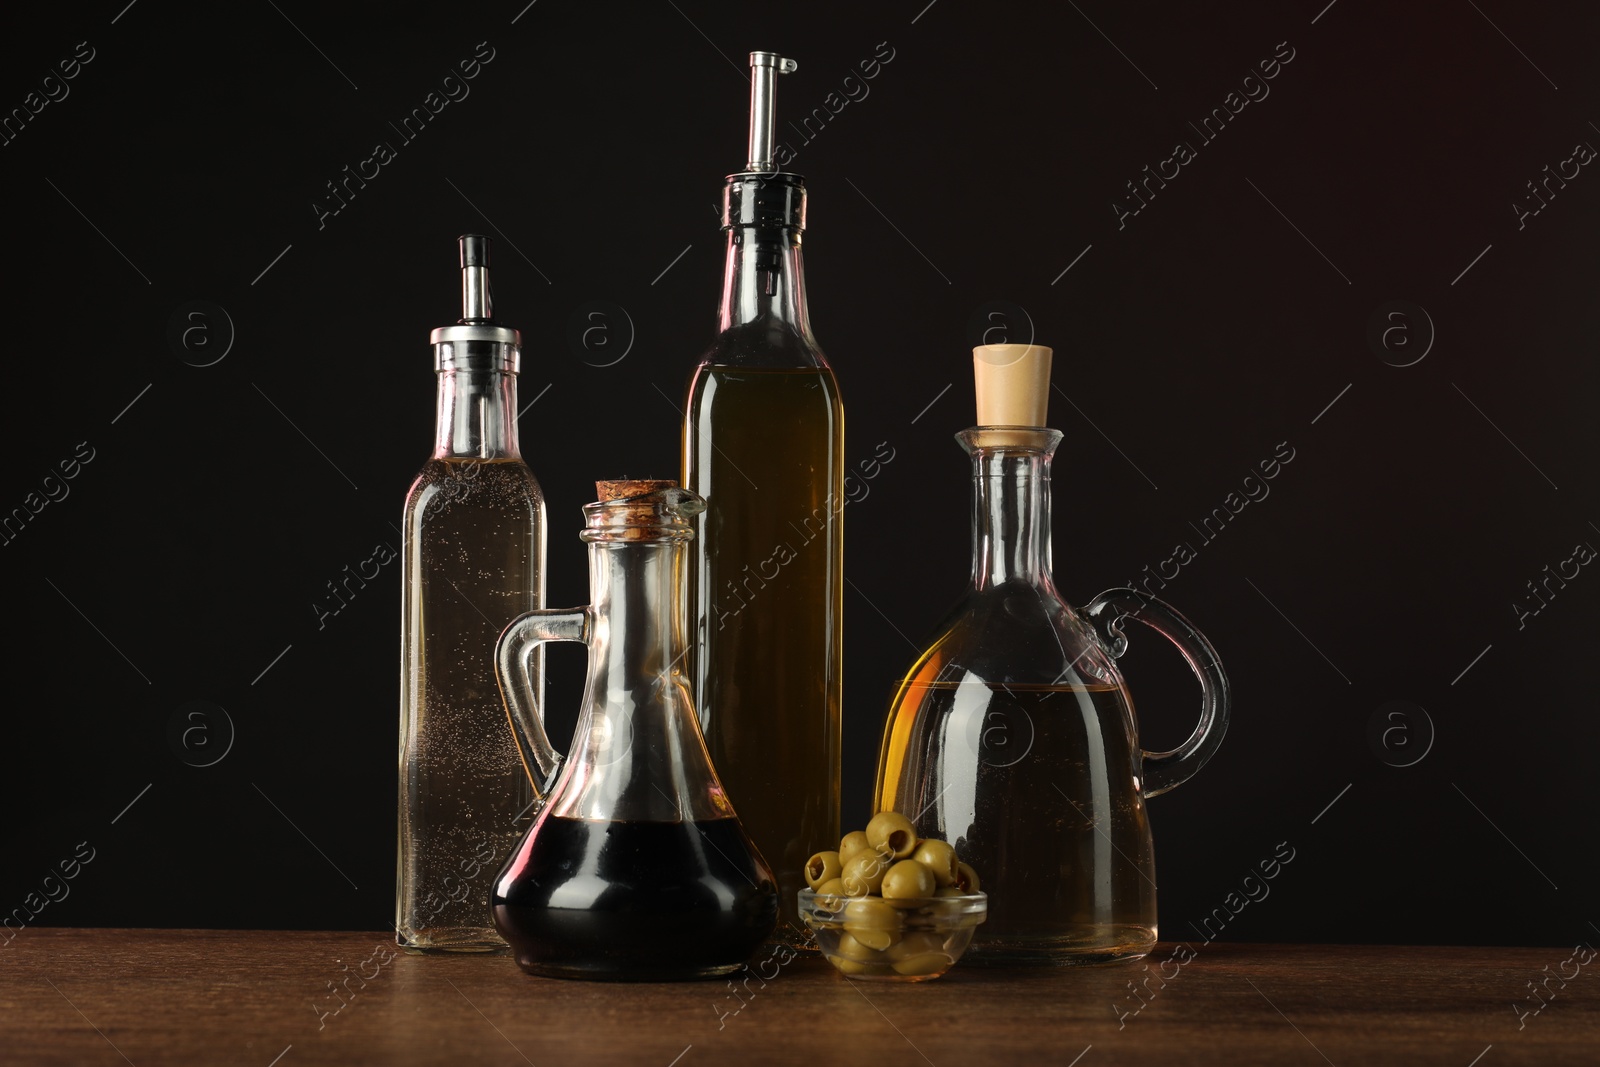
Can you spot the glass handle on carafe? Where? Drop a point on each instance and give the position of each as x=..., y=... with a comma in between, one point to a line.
x=513, y=658
x=1164, y=770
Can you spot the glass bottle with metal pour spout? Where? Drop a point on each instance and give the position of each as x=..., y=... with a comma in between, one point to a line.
x=474, y=560
x=763, y=442
x=1013, y=734
x=636, y=866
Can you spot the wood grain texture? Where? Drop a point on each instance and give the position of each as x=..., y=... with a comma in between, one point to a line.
x=255, y=997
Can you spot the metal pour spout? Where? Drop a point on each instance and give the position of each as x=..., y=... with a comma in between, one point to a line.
x=476, y=304
x=475, y=334
x=764, y=66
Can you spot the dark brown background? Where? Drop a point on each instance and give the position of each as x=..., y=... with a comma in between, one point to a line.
x=1222, y=320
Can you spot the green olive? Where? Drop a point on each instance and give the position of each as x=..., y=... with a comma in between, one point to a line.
x=848, y=966
x=873, y=939
x=893, y=832
x=871, y=913
x=939, y=858
x=833, y=887
x=907, y=880
x=921, y=954
x=967, y=878
x=851, y=844
x=949, y=891
x=851, y=948
x=927, y=963
x=822, y=867
x=916, y=944
x=864, y=874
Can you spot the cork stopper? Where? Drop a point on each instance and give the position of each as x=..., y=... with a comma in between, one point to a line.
x=623, y=488
x=1013, y=384
x=640, y=509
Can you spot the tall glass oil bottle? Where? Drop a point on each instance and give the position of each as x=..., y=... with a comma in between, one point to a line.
x=473, y=553
x=763, y=442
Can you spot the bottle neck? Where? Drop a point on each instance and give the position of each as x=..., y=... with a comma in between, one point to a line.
x=764, y=281
x=638, y=594
x=1010, y=517
x=638, y=754
x=477, y=415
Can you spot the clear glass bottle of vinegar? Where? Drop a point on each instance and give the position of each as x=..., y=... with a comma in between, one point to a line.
x=474, y=561
x=764, y=444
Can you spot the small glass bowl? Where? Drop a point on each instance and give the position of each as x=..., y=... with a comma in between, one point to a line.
x=909, y=940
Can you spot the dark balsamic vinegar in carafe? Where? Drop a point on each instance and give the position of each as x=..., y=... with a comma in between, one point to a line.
x=639, y=901
x=636, y=866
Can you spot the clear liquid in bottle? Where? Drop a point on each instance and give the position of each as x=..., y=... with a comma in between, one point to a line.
x=473, y=554
x=473, y=558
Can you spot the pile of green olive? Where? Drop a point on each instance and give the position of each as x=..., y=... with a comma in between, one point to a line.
x=888, y=874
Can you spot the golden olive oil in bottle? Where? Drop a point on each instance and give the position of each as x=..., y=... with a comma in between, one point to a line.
x=1013, y=736
x=763, y=442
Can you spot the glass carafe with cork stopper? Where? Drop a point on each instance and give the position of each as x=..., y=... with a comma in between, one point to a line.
x=1013, y=735
x=636, y=867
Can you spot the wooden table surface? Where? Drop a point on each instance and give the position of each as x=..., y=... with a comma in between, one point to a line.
x=79, y=996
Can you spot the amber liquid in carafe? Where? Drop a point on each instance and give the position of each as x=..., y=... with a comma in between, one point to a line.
x=763, y=447
x=1028, y=783
x=470, y=523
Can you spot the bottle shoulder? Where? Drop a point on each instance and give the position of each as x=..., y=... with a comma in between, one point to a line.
x=1016, y=633
x=754, y=403
x=504, y=485
x=768, y=343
